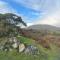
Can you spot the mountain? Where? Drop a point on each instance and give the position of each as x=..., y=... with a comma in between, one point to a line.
x=44, y=27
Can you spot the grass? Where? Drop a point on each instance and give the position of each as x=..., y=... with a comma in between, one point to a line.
x=45, y=54
x=26, y=40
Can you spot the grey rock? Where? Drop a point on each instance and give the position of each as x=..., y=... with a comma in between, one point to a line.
x=31, y=50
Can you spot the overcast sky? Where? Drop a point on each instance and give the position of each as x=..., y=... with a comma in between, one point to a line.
x=34, y=11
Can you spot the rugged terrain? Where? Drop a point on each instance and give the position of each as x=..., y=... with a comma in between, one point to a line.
x=45, y=38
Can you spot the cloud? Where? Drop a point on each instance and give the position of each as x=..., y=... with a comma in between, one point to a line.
x=51, y=19
x=49, y=11
x=39, y=5
x=5, y=8
x=28, y=3
x=29, y=24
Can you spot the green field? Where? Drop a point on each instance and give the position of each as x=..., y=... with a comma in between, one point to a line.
x=45, y=54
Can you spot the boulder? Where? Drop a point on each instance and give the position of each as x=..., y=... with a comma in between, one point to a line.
x=14, y=45
x=21, y=47
x=30, y=49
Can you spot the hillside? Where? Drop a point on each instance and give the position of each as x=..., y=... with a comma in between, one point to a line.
x=44, y=27
x=45, y=54
x=43, y=37
x=38, y=42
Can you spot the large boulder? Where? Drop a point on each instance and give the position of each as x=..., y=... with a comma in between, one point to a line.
x=21, y=47
x=30, y=49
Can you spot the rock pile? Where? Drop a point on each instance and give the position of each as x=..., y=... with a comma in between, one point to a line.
x=14, y=43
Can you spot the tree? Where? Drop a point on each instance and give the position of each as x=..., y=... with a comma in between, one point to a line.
x=9, y=22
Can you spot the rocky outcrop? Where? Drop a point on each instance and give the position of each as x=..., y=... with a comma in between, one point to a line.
x=11, y=44
x=14, y=43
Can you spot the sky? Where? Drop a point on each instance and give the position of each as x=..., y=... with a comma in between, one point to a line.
x=34, y=11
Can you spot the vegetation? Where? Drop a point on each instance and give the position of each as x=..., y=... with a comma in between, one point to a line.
x=43, y=37
x=45, y=54
x=48, y=43
x=8, y=24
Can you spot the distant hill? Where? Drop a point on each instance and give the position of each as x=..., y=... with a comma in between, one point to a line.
x=44, y=27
